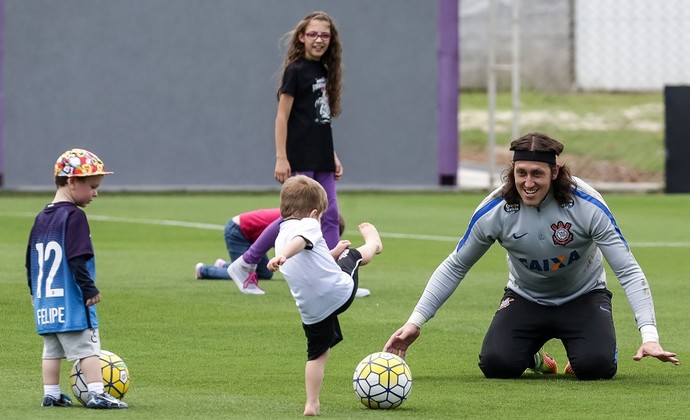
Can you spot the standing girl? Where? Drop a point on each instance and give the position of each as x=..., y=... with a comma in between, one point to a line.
x=308, y=97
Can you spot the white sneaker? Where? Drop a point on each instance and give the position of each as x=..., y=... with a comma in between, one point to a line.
x=104, y=400
x=361, y=292
x=244, y=276
x=220, y=263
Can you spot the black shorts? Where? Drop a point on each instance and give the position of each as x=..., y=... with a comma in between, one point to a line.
x=326, y=333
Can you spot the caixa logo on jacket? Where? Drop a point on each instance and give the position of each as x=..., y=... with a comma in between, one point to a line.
x=551, y=264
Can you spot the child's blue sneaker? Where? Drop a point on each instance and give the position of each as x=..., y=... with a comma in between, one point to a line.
x=50, y=401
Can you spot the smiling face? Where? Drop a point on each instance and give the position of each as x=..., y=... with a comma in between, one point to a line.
x=533, y=180
x=314, y=39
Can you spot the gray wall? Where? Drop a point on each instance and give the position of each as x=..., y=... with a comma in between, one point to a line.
x=181, y=93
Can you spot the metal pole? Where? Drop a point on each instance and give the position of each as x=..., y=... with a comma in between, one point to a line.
x=515, y=69
x=491, y=93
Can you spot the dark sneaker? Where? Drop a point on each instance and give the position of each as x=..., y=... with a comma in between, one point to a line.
x=104, y=400
x=50, y=401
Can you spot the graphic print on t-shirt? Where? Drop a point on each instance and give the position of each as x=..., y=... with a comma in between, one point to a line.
x=323, y=109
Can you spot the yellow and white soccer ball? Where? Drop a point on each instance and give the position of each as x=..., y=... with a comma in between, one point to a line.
x=116, y=378
x=382, y=380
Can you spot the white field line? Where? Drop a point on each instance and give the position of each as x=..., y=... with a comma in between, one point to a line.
x=178, y=223
x=435, y=238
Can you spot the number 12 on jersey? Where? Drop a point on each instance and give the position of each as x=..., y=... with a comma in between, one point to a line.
x=48, y=252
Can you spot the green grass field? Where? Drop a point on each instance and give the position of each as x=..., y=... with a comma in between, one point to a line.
x=200, y=349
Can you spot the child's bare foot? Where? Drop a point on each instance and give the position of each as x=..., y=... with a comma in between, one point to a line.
x=310, y=410
x=371, y=236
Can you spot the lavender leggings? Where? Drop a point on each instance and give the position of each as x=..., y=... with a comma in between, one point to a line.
x=329, y=221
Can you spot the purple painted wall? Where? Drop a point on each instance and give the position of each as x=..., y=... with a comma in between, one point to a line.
x=448, y=89
x=2, y=96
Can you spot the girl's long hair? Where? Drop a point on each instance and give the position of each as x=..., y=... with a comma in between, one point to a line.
x=331, y=59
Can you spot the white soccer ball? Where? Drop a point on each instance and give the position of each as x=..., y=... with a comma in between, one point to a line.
x=382, y=380
x=115, y=373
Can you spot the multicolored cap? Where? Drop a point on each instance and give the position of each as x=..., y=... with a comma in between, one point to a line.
x=79, y=162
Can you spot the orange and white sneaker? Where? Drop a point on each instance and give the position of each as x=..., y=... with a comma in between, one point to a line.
x=568, y=370
x=543, y=363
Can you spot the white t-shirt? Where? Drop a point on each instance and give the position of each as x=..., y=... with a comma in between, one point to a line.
x=316, y=281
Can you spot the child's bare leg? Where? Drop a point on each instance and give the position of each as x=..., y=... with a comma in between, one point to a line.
x=372, y=242
x=91, y=366
x=50, y=369
x=313, y=378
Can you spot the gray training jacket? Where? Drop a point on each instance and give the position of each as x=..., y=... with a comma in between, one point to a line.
x=554, y=252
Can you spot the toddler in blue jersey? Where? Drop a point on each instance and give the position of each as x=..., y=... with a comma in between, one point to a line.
x=61, y=275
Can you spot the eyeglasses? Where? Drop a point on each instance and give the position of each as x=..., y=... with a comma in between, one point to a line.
x=313, y=35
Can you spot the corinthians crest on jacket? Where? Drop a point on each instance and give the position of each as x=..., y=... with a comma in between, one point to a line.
x=561, y=233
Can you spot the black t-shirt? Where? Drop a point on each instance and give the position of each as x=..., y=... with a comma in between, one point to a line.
x=309, y=143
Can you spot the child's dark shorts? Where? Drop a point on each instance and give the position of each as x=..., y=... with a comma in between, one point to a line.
x=326, y=333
